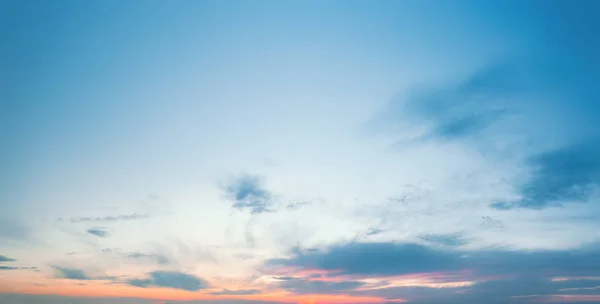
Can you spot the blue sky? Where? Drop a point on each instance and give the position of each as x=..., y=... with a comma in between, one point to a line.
x=300, y=152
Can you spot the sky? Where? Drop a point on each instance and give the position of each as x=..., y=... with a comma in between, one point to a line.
x=309, y=152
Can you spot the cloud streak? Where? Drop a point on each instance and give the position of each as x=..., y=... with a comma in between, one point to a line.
x=170, y=279
x=108, y=218
x=98, y=231
x=6, y=259
x=227, y=292
x=71, y=273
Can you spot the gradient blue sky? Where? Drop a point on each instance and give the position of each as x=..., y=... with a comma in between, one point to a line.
x=300, y=151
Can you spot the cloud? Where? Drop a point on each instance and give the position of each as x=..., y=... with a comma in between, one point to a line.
x=452, y=240
x=71, y=273
x=109, y=218
x=302, y=286
x=170, y=279
x=393, y=259
x=446, y=276
x=52, y=299
x=98, y=231
x=8, y=268
x=227, y=292
x=6, y=259
x=375, y=259
x=537, y=108
x=565, y=174
x=157, y=258
x=15, y=268
x=296, y=205
x=248, y=193
x=494, y=110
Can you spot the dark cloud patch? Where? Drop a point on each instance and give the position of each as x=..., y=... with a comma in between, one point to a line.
x=170, y=279
x=6, y=259
x=98, y=231
x=374, y=231
x=467, y=125
x=71, y=273
x=562, y=175
x=375, y=259
x=109, y=218
x=248, y=193
x=140, y=282
x=393, y=259
x=227, y=292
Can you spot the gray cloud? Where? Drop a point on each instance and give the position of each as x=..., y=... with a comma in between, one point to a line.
x=170, y=279
x=98, y=231
x=227, y=292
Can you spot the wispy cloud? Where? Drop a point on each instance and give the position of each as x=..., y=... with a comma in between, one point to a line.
x=227, y=292
x=8, y=268
x=108, y=218
x=444, y=239
x=17, y=268
x=157, y=258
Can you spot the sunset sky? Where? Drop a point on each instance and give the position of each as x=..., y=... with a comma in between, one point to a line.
x=310, y=152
